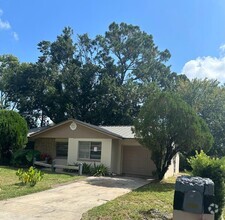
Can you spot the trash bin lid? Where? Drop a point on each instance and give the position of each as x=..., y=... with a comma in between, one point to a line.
x=202, y=185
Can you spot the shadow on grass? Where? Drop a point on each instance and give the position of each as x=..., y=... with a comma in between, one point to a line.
x=20, y=184
x=8, y=167
x=47, y=171
x=156, y=214
x=59, y=172
x=157, y=187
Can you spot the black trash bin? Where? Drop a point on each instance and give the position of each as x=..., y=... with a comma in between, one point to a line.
x=194, y=199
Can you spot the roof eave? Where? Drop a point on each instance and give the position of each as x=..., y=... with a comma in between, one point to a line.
x=92, y=127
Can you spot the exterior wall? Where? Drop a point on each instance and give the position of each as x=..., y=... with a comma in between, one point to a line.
x=130, y=142
x=116, y=157
x=64, y=131
x=105, y=154
x=174, y=167
x=177, y=170
x=46, y=145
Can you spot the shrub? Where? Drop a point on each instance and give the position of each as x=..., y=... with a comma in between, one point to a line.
x=95, y=170
x=13, y=134
x=212, y=168
x=184, y=165
x=86, y=169
x=24, y=157
x=31, y=177
x=99, y=170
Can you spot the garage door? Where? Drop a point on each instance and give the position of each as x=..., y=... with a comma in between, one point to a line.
x=136, y=161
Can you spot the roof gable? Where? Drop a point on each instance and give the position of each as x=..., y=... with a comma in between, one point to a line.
x=62, y=130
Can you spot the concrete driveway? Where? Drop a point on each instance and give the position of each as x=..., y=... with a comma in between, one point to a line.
x=68, y=201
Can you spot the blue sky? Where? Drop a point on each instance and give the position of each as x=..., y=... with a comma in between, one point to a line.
x=192, y=30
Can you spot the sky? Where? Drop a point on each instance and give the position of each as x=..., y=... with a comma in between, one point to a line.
x=192, y=30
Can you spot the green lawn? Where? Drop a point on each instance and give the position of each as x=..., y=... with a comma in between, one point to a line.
x=10, y=185
x=138, y=204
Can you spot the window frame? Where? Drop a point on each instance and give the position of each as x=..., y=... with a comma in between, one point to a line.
x=89, y=150
x=65, y=143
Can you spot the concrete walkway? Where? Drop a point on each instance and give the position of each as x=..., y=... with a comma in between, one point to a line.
x=68, y=201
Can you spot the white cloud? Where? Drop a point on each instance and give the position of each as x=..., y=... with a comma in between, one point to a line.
x=15, y=36
x=5, y=25
x=206, y=67
x=222, y=50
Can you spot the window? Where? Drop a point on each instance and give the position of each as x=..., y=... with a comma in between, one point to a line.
x=61, y=149
x=90, y=150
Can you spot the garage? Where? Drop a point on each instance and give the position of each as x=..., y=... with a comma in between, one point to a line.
x=136, y=161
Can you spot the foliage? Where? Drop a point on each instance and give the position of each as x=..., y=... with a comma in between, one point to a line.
x=207, y=98
x=86, y=168
x=10, y=187
x=103, y=80
x=95, y=170
x=212, y=168
x=183, y=163
x=13, y=134
x=167, y=125
x=31, y=177
x=9, y=65
x=24, y=157
x=99, y=170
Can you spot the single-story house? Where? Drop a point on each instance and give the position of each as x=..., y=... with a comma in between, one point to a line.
x=74, y=141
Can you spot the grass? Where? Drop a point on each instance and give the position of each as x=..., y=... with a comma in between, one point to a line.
x=138, y=203
x=10, y=185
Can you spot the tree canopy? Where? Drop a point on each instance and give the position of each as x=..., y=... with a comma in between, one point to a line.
x=167, y=125
x=207, y=98
x=13, y=133
x=103, y=80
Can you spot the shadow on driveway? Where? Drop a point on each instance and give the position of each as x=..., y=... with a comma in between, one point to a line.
x=118, y=182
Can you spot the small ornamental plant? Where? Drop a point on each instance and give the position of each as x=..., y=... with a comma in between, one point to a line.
x=99, y=170
x=95, y=170
x=31, y=177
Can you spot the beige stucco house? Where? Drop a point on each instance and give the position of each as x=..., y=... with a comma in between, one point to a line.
x=74, y=141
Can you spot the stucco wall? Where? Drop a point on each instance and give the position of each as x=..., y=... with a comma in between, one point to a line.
x=174, y=167
x=177, y=163
x=116, y=157
x=130, y=142
x=105, y=153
